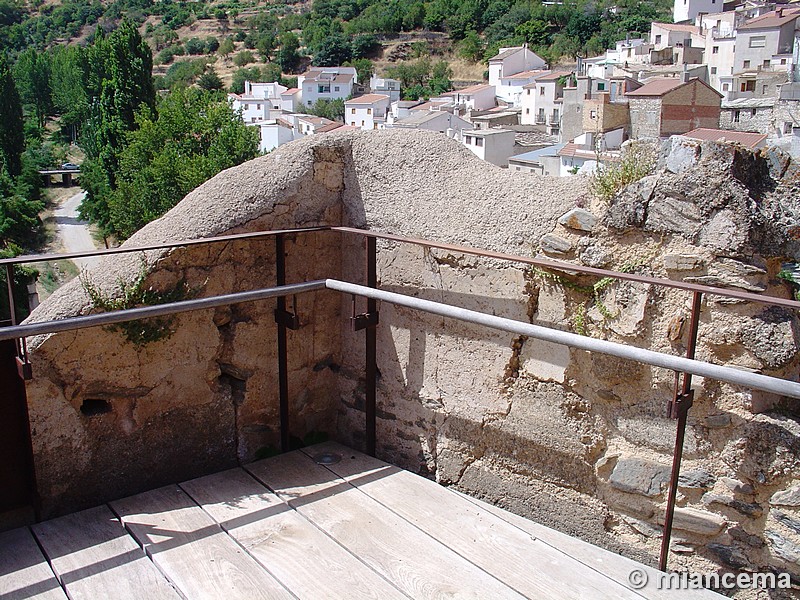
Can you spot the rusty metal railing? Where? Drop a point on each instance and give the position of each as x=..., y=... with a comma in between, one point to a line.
x=677, y=407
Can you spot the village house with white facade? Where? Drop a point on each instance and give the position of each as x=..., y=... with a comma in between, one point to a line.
x=716, y=69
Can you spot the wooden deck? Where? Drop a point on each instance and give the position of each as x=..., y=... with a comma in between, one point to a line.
x=288, y=527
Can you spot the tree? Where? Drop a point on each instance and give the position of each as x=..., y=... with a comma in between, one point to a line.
x=191, y=138
x=119, y=83
x=210, y=80
x=364, y=69
x=12, y=133
x=20, y=224
x=333, y=51
x=327, y=109
x=364, y=45
x=226, y=47
x=288, y=57
x=471, y=47
x=242, y=75
x=245, y=57
x=32, y=75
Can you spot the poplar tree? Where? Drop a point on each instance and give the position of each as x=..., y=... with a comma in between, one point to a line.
x=12, y=134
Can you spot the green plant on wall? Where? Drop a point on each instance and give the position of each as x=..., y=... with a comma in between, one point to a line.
x=133, y=295
x=791, y=272
x=637, y=161
x=593, y=291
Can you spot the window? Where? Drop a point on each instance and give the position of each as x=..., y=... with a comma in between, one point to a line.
x=746, y=64
x=766, y=63
x=735, y=117
x=601, y=87
x=362, y=123
x=783, y=61
x=529, y=92
x=758, y=41
x=353, y=123
x=246, y=106
x=479, y=142
x=527, y=111
x=713, y=70
x=309, y=102
x=749, y=86
x=725, y=87
x=592, y=114
x=375, y=126
x=753, y=112
x=715, y=50
x=787, y=127
x=467, y=140
x=352, y=111
x=336, y=88
x=658, y=39
x=369, y=111
x=541, y=91
x=764, y=89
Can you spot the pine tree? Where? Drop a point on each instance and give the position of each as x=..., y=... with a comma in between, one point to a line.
x=12, y=135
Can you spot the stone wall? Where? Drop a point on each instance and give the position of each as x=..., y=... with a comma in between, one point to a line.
x=576, y=441
x=760, y=119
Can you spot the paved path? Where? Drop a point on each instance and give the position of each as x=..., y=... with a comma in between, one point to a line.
x=74, y=233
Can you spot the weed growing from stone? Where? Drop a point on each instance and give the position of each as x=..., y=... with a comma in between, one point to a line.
x=791, y=272
x=132, y=295
x=638, y=161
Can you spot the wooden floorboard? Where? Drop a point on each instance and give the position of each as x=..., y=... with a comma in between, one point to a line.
x=307, y=561
x=192, y=550
x=613, y=565
x=416, y=563
x=24, y=571
x=94, y=557
x=534, y=568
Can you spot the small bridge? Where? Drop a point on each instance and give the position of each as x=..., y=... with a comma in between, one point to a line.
x=65, y=174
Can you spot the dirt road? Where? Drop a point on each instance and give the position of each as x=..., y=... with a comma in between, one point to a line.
x=74, y=233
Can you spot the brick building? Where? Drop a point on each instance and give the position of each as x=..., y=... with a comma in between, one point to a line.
x=669, y=106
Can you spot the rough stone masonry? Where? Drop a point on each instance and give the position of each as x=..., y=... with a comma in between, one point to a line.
x=576, y=441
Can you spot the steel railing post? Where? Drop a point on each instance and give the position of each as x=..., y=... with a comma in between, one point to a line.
x=678, y=408
x=371, y=348
x=283, y=376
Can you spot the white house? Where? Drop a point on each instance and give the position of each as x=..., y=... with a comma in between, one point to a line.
x=401, y=109
x=766, y=42
x=438, y=120
x=670, y=35
x=687, y=10
x=513, y=84
x=290, y=99
x=384, y=85
x=475, y=97
x=543, y=99
x=367, y=112
x=274, y=133
x=257, y=100
x=581, y=154
x=329, y=83
x=492, y=145
x=632, y=51
x=509, y=61
x=309, y=124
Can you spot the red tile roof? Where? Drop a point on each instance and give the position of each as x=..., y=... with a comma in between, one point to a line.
x=553, y=75
x=678, y=27
x=657, y=86
x=368, y=99
x=771, y=19
x=290, y=91
x=746, y=139
x=473, y=88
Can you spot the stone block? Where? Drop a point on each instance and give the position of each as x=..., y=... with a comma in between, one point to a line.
x=782, y=547
x=736, y=486
x=717, y=421
x=700, y=522
x=730, y=555
x=639, y=476
x=682, y=262
x=750, y=509
x=682, y=156
x=787, y=497
x=578, y=218
x=545, y=361
x=787, y=520
x=696, y=478
x=554, y=244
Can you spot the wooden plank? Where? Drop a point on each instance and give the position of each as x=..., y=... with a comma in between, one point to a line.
x=510, y=554
x=615, y=566
x=24, y=572
x=308, y=562
x=413, y=561
x=94, y=557
x=192, y=550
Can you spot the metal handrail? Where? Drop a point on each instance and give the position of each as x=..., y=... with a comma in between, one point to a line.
x=160, y=310
x=539, y=262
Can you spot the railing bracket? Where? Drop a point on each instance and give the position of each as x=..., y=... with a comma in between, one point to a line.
x=24, y=368
x=680, y=404
x=364, y=320
x=288, y=319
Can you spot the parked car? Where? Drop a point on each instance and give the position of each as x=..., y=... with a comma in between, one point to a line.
x=70, y=166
